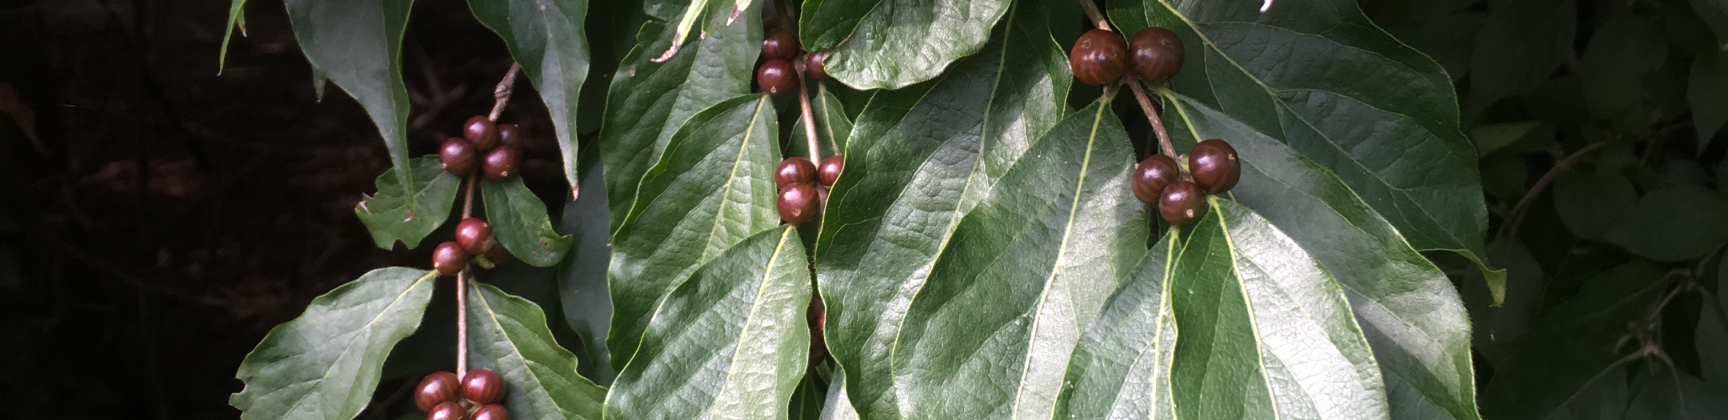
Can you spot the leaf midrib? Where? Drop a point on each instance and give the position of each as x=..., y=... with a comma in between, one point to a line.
x=367, y=327
x=738, y=344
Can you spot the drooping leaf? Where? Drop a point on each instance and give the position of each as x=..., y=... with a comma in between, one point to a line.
x=1121, y=367
x=651, y=101
x=891, y=44
x=546, y=38
x=832, y=126
x=1495, y=325
x=1709, y=111
x=1263, y=330
x=712, y=189
x=1592, y=203
x=508, y=334
x=358, y=45
x=386, y=212
x=519, y=222
x=236, y=19
x=730, y=342
x=582, y=276
x=1674, y=224
x=325, y=363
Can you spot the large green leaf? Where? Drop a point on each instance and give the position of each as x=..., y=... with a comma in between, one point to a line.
x=508, y=334
x=325, y=364
x=1319, y=77
x=386, y=213
x=835, y=405
x=1518, y=48
x=1263, y=330
x=650, y=101
x=1121, y=367
x=712, y=189
x=890, y=44
x=358, y=45
x=582, y=276
x=546, y=37
x=987, y=329
x=730, y=342
x=1407, y=308
x=1622, y=53
x=519, y=221
x=1676, y=223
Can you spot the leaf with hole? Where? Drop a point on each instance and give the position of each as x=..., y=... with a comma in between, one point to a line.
x=387, y=213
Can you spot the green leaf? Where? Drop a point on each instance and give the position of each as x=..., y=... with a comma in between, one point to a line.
x=1264, y=330
x=519, y=221
x=1590, y=204
x=1709, y=78
x=1518, y=48
x=325, y=363
x=837, y=406
x=730, y=342
x=582, y=276
x=1121, y=367
x=1493, y=324
x=236, y=19
x=832, y=126
x=712, y=189
x=358, y=45
x=1677, y=223
x=1621, y=54
x=389, y=216
x=508, y=334
x=546, y=37
x=986, y=330
x=1530, y=135
x=1715, y=14
x=1302, y=75
x=650, y=101
x=891, y=44
x=807, y=399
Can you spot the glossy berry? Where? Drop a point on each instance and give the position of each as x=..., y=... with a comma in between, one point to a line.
x=474, y=235
x=1151, y=175
x=481, y=132
x=483, y=386
x=794, y=170
x=499, y=164
x=813, y=66
x=798, y=203
x=1098, y=57
x=498, y=255
x=457, y=156
x=1214, y=166
x=830, y=170
x=510, y=135
x=450, y=410
x=1156, y=54
x=777, y=77
x=437, y=388
x=780, y=45
x=491, y=412
x=1182, y=203
x=449, y=258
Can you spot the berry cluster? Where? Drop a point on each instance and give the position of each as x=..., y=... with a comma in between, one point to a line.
x=800, y=200
x=1212, y=169
x=480, y=390
x=776, y=74
x=473, y=236
x=1100, y=56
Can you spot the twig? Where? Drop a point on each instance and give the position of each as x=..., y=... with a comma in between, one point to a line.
x=462, y=278
x=809, y=118
x=1151, y=115
x=1092, y=12
x=1517, y=215
x=501, y=94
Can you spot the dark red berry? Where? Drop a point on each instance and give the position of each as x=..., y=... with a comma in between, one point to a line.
x=777, y=77
x=481, y=132
x=813, y=66
x=1182, y=204
x=499, y=164
x=830, y=170
x=457, y=156
x=449, y=258
x=1214, y=166
x=437, y=388
x=798, y=203
x=794, y=170
x=1152, y=174
x=510, y=135
x=474, y=235
x=1098, y=57
x=780, y=45
x=1156, y=53
x=483, y=386
x=498, y=255
x=817, y=316
x=491, y=412
x=447, y=411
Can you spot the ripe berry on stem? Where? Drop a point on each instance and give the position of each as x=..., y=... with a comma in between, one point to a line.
x=498, y=255
x=1152, y=175
x=457, y=156
x=780, y=45
x=510, y=135
x=777, y=77
x=474, y=235
x=483, y=386
x=499, y=164
x=449, y=410
x=491, y=412
x=1182, y=204
x=798, y=203
x=813, y=65
x=481, y=132
x=437, y=388
x=449, y=258
x=794, y=170
x=1156, y=54
x=830, y=169
x=1214, y=166
x=1098, y=57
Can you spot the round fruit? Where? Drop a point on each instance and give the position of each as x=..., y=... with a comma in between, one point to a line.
x=450, y=410
x=1099, y=57
x=830, y=170
x=777, y=77
x=1156, y=54
x=437, y=388
x=483, y=386
x=1214, y=166
x=813, y=65
x=798, y=203
x=481, y=132
x=457, y=156
x=510, y=135
x=817, y=314
x=499, y=164
x=794, y=170
x=1182, y=204
x=1152, y=174
x=474, y=236
x=780, y=45
x=498, y=255
x=491, y=412
x=449, y=258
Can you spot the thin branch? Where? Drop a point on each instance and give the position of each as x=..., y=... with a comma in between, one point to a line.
x=1096, y=17
x=1151, y=116
x=501, y=94
x=809, y=118
x=1517, y=215
x=462, y=276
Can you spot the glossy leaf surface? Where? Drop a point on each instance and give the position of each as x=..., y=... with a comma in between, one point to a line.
x=582, y=289
x=386, y=213
x=1121, y=367
x=508, y=334
x=890, y=44
x=546, y=37
x=520, y=223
